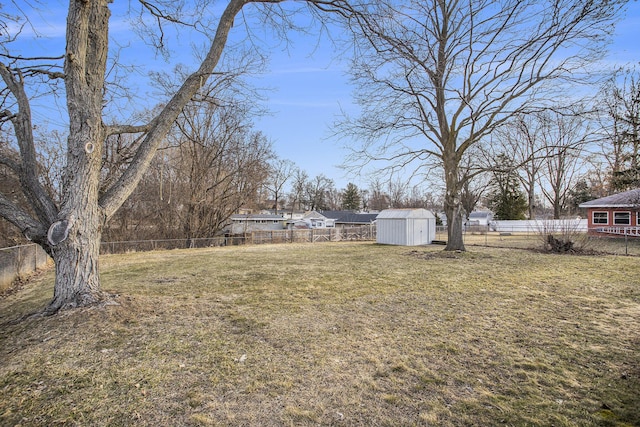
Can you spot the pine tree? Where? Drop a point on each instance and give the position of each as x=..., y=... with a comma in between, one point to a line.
x=506, y=198
x=579, y=194
x=351, y=198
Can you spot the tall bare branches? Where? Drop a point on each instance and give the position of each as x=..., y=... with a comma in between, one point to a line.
x=436, y=77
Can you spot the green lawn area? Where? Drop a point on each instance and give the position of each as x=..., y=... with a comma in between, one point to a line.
x=354, y=334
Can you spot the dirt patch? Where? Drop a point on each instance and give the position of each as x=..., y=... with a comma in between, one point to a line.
x=440, y=254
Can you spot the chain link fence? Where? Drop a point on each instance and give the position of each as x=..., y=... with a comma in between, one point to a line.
x=317, y=235
x=535, y=239
x=17, y=261
x=25, y=259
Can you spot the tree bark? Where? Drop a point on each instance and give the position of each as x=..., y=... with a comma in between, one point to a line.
x=453, y=204
x=77, y=281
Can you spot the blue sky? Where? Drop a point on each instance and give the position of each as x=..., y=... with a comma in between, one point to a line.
x=313, y=90
x=310, y=86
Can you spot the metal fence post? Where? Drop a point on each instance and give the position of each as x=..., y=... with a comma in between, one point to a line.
x=626, y=243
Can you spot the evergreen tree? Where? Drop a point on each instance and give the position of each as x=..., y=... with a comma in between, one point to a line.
x=579, y=194
x=351, y=198
x=506, y=198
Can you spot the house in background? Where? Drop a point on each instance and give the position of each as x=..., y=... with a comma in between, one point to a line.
x=246, y=223
x=346, y=219
x=479, y=219
x=311, y=219
x=292, y=215
x=618, y=214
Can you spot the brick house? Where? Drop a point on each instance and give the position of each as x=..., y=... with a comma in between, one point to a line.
x=618, y=214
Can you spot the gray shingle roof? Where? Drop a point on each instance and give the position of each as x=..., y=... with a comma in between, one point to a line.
x=256, y=216
x=350, y=217
x=626, y=199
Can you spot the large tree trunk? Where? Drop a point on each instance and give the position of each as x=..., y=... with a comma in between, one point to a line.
x=557, y=209
x=453, y=210
x=453, y=205
x=531, y=197
x=77, y=280
x=76, y=249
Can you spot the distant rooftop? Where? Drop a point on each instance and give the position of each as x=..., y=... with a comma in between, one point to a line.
x=255, y=216
x=350, y=217
x=626, y=199
x=480, y=214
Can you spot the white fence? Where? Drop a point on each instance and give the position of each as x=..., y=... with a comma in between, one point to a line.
x=18, y=260
x=540, y=225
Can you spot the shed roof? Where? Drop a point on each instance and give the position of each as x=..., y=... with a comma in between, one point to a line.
x=405, y=214
x=626, y=199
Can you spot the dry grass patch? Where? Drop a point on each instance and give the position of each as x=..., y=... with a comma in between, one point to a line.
x=583, y=243
x=332, y=334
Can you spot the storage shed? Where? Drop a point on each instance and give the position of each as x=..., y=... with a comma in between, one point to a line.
x=407, y=227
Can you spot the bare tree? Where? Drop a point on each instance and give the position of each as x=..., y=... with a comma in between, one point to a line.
x=224, y=164
x=280, y=172
x=436, y=77
x=397, y=190
x=473, y=188
x=317, y=192
x=564, y=137
x=297, y=194
x=420, y=197
x=621, y=125
x=70, y=228
x=333, y=198
x=378, y=197
x=153, y=211
x=521, y=139
x=364, y=198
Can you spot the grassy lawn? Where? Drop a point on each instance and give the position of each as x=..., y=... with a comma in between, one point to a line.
x=353, y=334
x=532, y=240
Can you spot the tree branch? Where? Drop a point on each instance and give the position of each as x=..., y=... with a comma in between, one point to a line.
x=31, y=228
x=113, y=197
x=34, y=191
x=120, y=129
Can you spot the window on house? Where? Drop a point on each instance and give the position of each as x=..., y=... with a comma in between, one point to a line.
x=601, y=217
x=622, y=218
x=637, y=218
